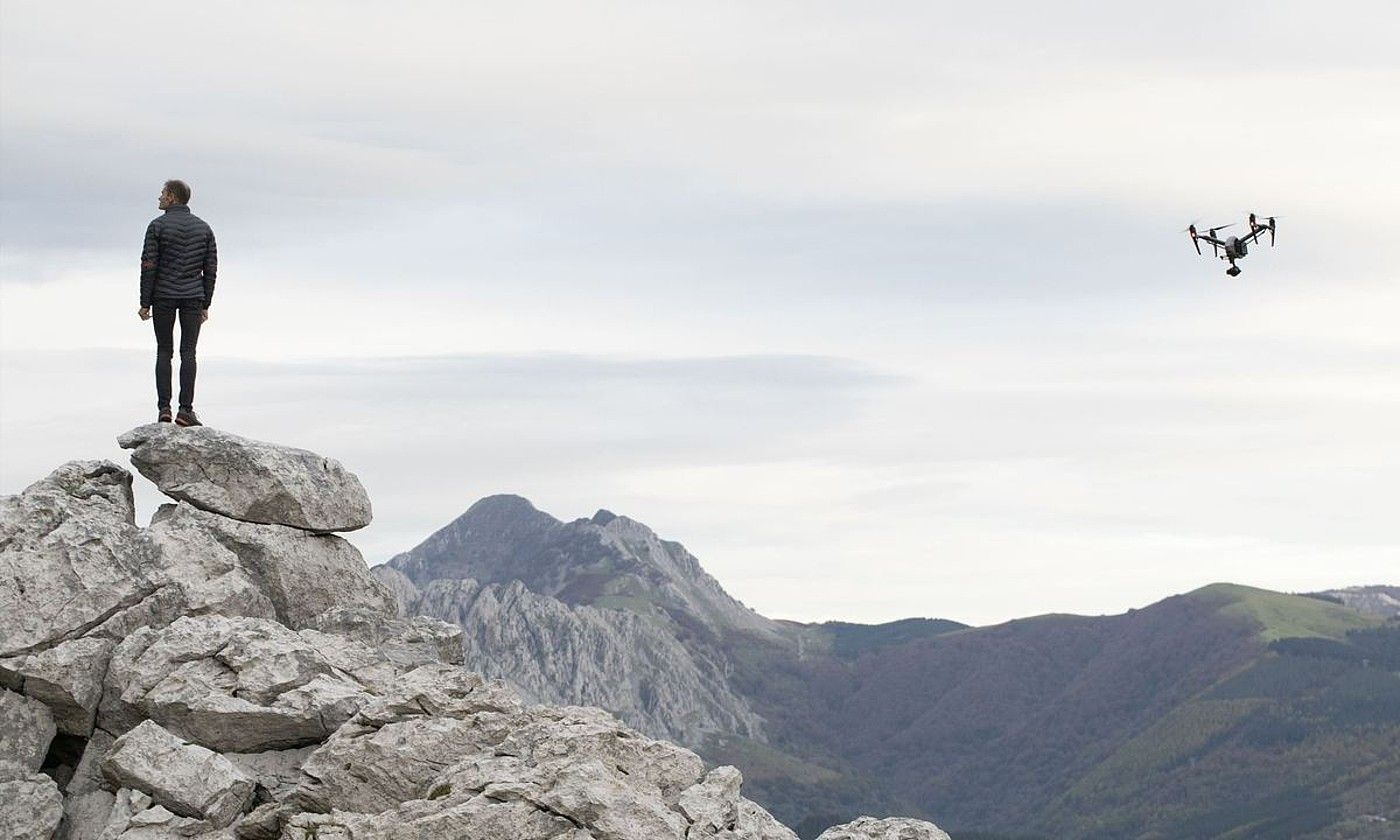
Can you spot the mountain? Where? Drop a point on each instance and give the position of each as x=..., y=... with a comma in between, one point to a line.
x=1228, y=710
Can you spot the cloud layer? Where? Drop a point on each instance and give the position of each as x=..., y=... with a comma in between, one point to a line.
x=883, y=312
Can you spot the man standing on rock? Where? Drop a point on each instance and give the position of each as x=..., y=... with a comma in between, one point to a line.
x=178, y=266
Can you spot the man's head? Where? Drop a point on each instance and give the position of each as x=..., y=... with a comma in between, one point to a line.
x=174, y=192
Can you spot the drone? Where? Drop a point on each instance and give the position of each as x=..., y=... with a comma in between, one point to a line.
x=1235, y=247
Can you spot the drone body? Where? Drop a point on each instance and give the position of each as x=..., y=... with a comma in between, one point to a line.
x=1234, y=247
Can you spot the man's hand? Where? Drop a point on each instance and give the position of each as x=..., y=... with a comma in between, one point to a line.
x=203, y=315
x=145, y=313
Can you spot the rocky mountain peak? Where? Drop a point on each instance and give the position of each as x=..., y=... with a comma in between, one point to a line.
x=607, y=560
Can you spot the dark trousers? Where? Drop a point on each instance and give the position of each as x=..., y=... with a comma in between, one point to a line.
x=164, y=313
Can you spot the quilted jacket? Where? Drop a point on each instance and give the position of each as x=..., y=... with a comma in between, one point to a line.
x=179, y=260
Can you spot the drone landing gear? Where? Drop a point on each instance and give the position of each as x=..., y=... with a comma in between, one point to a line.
x=1233, y=270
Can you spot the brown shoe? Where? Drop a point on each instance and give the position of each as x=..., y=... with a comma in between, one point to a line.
x=187, y=417
x=164, y=416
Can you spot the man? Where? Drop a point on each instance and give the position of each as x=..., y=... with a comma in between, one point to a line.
x=178, y=266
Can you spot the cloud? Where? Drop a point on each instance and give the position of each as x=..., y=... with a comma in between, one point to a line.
x=885, y=311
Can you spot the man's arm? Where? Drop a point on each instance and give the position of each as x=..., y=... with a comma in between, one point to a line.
x=211, y=269
x=150, y=259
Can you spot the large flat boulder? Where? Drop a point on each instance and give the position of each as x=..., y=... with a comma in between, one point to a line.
x=249, y=479
x=271, y=571
x=186, y=778
x=71, y=557
x=239, y=684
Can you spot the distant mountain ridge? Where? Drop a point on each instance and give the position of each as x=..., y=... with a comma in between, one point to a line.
x=1049, y=726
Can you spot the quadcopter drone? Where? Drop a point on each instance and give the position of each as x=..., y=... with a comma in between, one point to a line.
x=1235, y=247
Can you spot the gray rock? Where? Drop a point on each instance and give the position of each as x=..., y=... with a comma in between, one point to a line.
x=85, y=814
x=398, y=743
x=271, y=571
x=399, y=584
x=30, y=807
x=87, y=776
x=894, y=828
x=248, y=479
x=26, y=729
x=277, y=772
x=407, y=642
x=239, y=684
x=712, y=804
x=67, y=678
x=478, y=818
x=71, y=556
x=134, y=816
x=186, y=778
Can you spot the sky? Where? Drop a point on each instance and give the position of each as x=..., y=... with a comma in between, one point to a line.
x=883, y=310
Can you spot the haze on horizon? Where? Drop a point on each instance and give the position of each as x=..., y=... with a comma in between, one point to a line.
x=881, y=312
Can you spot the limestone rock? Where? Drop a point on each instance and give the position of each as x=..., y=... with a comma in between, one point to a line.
x=272, y=571
x=398, y=743
x=248, y=479
x=399, y=584
x=239, y=684
x=26, y=729
x=134, y=816
x=71, y=556
x=67, y=678
x=406, y=642
x=30, y=806
x=277, y=772
x=478, y=818
x=895, y=828
x=87, y=776
x=712, y=804
x=85, y=814
x=186, y=778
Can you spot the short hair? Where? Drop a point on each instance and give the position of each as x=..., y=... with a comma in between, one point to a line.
x=179, y=189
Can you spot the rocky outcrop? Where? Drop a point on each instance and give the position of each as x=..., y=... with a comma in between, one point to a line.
x=247, y=479
x=240, y=684
x=71, y=557
x=209, y=677
x=869, y=828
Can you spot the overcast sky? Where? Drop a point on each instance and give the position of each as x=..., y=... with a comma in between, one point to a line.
x=881, y=309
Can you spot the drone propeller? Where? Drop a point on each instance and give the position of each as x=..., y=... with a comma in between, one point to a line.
x=1191, y=229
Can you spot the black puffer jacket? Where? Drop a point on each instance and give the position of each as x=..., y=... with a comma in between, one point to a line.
x=179, y=260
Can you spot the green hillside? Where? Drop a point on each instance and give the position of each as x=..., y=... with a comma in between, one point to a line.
x=1281, y=616
x=1227, y=712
